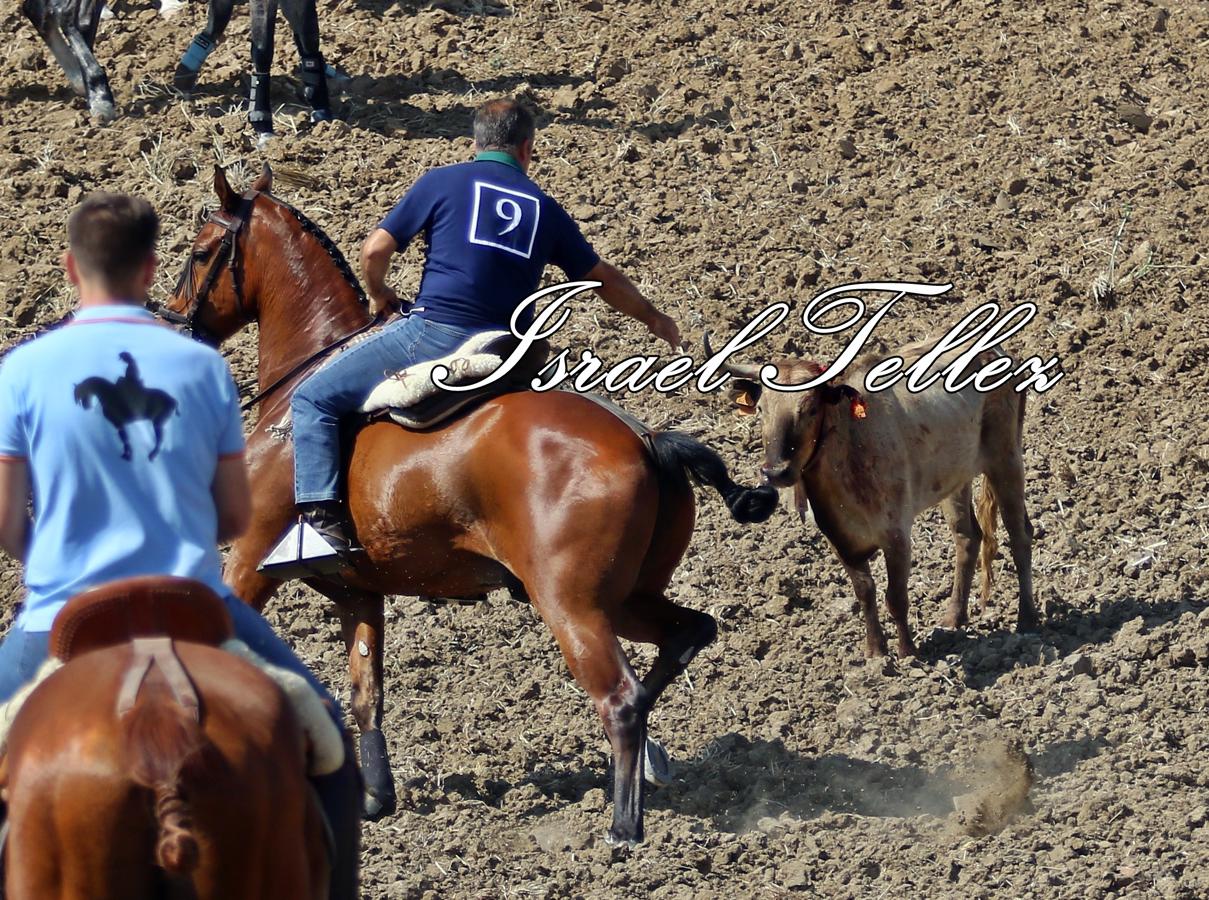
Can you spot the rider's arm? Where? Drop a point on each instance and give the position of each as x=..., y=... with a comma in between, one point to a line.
x=375, y=264
x=232, y=498
x=410, y=216
x=620, y=293
x=14, y=506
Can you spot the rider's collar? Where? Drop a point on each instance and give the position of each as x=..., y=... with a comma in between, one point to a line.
x=499, y=156
x=117, y=310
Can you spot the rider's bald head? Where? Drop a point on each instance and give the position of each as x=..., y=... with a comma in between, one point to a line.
x=111, y=238
x=503, y=124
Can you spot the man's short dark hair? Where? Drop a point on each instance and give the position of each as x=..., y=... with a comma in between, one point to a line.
x=112, y=235
x=502, y=124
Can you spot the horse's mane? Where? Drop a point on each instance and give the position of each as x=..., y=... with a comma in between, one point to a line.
x=332, y=250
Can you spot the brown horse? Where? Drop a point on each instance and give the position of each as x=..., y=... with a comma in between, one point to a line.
x=547, y=494
x=158, y=802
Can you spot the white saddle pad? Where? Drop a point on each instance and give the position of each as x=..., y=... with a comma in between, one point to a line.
x=401, y=392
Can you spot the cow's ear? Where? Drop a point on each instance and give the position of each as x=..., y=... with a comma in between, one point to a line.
x=745, y=394
x=856, y=403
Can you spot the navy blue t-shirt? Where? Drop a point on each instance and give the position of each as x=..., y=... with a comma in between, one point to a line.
x=490, y=232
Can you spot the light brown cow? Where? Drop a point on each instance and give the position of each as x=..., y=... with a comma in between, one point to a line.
x=867, y=463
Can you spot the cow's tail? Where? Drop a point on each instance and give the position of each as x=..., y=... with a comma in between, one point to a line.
x=987, y=512
x=160, y=738
x=678, y=457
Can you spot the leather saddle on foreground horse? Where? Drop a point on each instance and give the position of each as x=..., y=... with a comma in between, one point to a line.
x=548, y=494
x=146, y=760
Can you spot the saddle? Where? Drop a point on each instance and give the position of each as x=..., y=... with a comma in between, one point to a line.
x=149, y=613
x=148, y=606
x=411, y=399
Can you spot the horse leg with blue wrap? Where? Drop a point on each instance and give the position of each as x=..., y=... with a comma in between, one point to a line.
x=217, y=18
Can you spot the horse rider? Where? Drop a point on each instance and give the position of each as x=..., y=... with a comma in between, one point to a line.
x=100, y=516
x=490, y=233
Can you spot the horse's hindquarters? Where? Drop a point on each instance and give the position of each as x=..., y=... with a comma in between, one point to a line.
x=81, y=827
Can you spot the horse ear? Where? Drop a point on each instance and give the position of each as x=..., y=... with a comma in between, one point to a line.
x=227, y=197
x=264, y=183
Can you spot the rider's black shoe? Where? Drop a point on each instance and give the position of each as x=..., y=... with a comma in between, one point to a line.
x=331, y=521
x=321, y=542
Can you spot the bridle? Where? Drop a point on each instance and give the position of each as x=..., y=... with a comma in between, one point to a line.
x=228, y=254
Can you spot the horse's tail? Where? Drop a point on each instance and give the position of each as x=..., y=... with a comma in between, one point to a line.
x=678, y=456
x=160, y=739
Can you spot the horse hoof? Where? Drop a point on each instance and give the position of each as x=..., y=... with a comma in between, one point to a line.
x=379, y=808
x=184, y=79
x=321, y=115
x=657, y=768
x=380, y=797
x=621, y=842
x=263, y=139
x=103, y=111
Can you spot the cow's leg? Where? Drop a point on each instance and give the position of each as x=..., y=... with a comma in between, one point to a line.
x=866, y=595
x=218, y=16
x=362, y=620
x=304, y=21
x=898, y=573
x=264, y=24
x=967, y=538
x=1007, y=480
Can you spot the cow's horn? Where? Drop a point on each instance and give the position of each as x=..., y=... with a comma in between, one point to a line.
x=751, y=373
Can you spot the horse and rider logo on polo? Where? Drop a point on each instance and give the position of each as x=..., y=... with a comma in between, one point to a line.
x=127, y=400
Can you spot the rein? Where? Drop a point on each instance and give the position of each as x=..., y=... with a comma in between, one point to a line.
x=306, y=363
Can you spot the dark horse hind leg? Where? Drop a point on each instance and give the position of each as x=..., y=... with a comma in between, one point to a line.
x=36, y=12
x=69, y=31
x=264, y=24
x=304, y=20
x=79, y=32
x=217, y=18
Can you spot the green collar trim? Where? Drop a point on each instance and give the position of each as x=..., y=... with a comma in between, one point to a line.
x=499, y=156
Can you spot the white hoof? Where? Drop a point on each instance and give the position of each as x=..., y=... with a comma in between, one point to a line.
x=169, y=8
x=263, y=139
x=657, y=767
x=103, y=111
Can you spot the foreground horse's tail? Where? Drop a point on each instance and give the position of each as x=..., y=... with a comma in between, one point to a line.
x=160, y=738
x=678, y=456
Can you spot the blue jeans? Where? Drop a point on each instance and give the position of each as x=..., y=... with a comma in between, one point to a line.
x=340, y=387
x=23, y=652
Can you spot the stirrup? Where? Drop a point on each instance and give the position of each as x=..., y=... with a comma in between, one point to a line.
x=304, y=553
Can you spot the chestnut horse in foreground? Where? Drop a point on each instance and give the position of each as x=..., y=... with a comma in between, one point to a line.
x=150, y=769
x=548, y=494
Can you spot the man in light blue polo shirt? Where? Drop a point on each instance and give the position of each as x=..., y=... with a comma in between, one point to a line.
x=128, y=438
